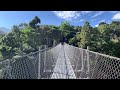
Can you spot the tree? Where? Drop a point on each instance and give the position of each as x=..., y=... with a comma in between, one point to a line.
x=10, y=40
x=50, y=34
x=34, y=23
x=65, y=25
x=77, y=28
x=29, y=37
x=6, y=52
x=22, y=25
x=85, y=35
x=67, y=30
x=115, y=30
x=102, y=27
x=75, y=40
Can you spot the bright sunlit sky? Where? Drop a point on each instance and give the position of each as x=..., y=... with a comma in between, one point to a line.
x=10, y=18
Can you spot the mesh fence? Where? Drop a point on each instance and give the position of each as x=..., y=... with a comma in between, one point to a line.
x=106, y=67
x=36, y=65
x=20, y=68
x=92, y=65
x=78, y=60
x=48, y=61
x=4, y=69
x=65, y=60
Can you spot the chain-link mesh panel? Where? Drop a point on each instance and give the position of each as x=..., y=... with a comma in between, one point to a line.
x=62, y=61
x=93, y=65
x=106, y=68
x=74, y=57
x=78, y=59
x=48, y=61
x=21, y=68
x=92, y=62
x=5, y=69
x=84, y=72
x=31, y=66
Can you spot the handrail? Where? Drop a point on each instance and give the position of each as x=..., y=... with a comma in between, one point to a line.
x=97, y=53
x=32, y=53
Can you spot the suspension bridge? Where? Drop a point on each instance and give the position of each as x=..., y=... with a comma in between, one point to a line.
x=61, y=62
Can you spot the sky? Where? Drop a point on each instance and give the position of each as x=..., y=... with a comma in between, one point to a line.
x=77, y=18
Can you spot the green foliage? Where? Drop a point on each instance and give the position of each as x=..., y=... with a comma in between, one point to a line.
x=1, y=57
x=6, y=52
x=85, y=35
x=77, y=28
x=65, y=25
x=26, y=38
x=34, y=23
x=104, y=39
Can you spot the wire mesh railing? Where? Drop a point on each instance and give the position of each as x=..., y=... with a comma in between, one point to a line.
x=41, y=64
x=77, y=59
x=93, y=65
x=105, y=67
x=36, y=65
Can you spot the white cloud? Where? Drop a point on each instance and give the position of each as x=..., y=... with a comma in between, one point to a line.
x=77, y=21
x=73, y=15
x=113, y=11
x=82, y=20
x=102, y=21
x=70, y=15
x=67, y=15
x=96, y=25
x=116, y=16
x=85, y=12
x=97, y=14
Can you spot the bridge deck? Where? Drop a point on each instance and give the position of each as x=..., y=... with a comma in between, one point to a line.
x=63, y=68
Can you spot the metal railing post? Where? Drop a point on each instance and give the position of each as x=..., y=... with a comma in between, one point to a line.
x=45, y=58
x=88, y=63
x=39, y=62
x=82, y=60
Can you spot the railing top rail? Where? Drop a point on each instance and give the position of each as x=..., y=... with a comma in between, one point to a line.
x=39, y=51
x=31, y=53
x=112, y=57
